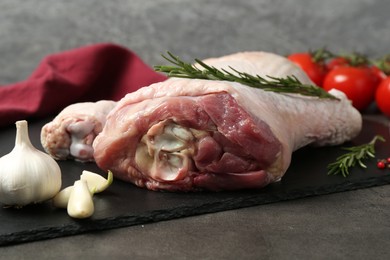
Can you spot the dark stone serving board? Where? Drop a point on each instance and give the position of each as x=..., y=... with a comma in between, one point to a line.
x=124, y=204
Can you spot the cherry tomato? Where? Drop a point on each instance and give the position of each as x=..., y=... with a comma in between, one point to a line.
x=358, y=84
x=356, y=61
x=382, y=96
x=316, y=71
x=380, y=75
x=337, y=62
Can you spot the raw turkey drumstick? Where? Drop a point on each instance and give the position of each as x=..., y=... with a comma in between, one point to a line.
x=194, y=134
x=72, y=131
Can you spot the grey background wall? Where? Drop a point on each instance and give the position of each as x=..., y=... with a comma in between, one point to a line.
x=29, y=30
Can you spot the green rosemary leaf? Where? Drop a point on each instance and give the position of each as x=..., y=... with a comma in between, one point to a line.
x=289, y=84
x=354, y=155
x=350, y=162
x=362, y=164
x=370, y=153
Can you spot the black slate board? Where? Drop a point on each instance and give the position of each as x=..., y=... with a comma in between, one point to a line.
x=124, y=204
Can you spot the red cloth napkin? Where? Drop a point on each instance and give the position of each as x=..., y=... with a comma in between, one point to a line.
x=90, y=73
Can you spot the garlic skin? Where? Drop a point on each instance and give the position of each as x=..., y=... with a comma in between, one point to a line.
x=27, y=175
x=80, y=204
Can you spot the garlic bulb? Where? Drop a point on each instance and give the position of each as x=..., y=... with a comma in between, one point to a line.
x=27, y=175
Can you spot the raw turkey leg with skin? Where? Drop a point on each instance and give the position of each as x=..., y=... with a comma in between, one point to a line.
x=71, y=133
x=192, y=134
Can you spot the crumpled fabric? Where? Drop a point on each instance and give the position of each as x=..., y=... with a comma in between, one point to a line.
x=89, y=73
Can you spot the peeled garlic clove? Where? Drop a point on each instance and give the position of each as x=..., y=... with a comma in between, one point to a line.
x=27, y=175
x=61, y=199
x=96, y=182
x=80, y=204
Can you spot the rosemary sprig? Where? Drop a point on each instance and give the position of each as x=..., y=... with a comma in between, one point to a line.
x=290, y=84
x=355, y=155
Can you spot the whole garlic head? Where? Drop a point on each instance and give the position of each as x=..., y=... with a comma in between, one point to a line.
x=27, y=175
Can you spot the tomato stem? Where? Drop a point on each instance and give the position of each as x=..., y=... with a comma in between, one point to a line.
x=321, y=55
x=383, y=64
x=356, y=59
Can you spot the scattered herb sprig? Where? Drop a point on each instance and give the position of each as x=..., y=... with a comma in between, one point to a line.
x=290, y=84
x=355, y=155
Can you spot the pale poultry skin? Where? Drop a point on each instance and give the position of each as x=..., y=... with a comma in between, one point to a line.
x=192, y=134
x=71, y=133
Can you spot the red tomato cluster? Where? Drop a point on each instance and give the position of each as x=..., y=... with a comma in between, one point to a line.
x=362, y=80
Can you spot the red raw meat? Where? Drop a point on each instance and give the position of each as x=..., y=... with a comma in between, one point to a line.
x=190, y=134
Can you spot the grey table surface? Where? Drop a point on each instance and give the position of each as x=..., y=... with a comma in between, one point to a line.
x=348, y=225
